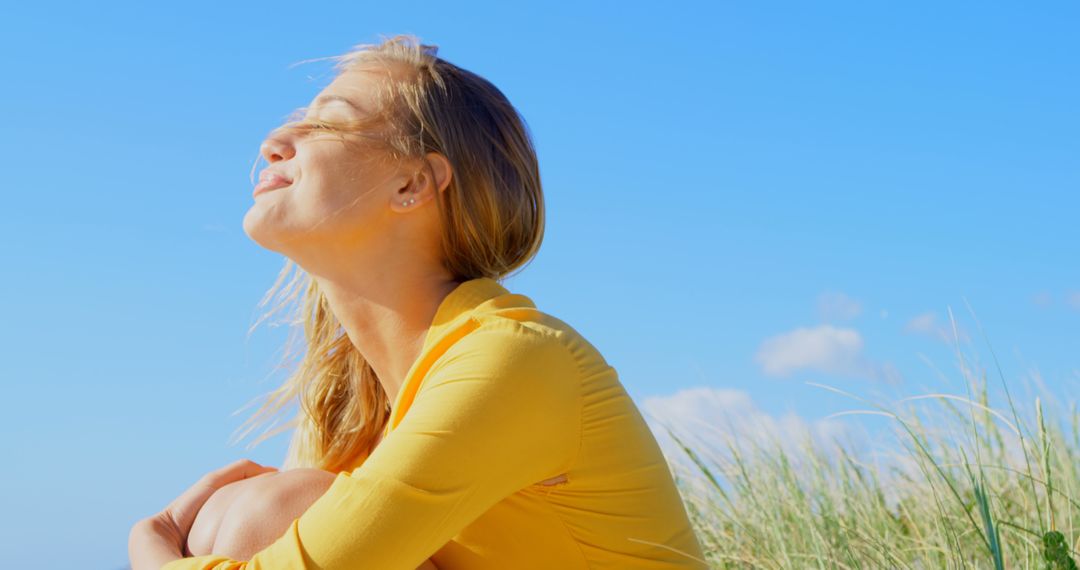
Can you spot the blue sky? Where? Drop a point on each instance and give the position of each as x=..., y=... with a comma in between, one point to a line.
x=742, y=197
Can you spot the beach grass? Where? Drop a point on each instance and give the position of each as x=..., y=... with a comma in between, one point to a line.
x=962, y=484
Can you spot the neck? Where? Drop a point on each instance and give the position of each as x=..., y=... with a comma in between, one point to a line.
x=387, y=317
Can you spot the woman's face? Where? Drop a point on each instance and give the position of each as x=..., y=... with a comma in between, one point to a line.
x=337, y=196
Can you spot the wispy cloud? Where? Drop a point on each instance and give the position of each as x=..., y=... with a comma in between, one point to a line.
x=712, y=419
x=837, y=306
x=1045, y=299
x=824, y=348
x=714, y=423
x=929, y=324
x=1042, y=299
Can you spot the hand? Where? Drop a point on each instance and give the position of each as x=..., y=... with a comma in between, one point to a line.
x=179, y=515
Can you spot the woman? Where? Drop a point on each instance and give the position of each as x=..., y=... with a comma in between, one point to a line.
x=446, y=421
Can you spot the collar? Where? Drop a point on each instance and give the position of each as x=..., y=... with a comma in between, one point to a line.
x=465, y=298
x=468, y=298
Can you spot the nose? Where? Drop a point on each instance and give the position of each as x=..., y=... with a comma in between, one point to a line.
x=277, y=146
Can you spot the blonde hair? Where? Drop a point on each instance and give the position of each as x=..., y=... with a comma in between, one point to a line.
x=492, y=215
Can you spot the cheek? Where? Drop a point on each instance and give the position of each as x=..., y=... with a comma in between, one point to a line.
x=339, y=200
x=312, y=210
x=333, y=199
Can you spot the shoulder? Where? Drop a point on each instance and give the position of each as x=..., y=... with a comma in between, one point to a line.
x=522, y=325
x=509, y=360
x=500, y=381
x=495, y=344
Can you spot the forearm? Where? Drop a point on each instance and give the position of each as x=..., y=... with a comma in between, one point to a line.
x=151, y=544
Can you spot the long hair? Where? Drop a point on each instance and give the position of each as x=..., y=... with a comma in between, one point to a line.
x=492, y=215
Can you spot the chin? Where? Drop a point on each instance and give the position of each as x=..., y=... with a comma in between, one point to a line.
x=259, y=231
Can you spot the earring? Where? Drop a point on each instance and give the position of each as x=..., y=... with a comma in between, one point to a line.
x=408, y=202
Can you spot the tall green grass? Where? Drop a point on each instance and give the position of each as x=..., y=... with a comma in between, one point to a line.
x=968, y=485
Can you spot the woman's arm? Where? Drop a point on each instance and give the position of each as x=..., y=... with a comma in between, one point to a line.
x=245, y=517
x=499, y=411
x=159, y=540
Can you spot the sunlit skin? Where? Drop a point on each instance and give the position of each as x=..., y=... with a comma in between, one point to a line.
x=342, y=219
x=378, y=262
x=246, y=516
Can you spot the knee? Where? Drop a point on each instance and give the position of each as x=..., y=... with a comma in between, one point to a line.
x=266, y=508
x=204, y=530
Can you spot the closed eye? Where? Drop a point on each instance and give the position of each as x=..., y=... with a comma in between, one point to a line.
x=311, y=125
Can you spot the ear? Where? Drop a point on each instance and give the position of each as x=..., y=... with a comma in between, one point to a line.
x=434, y=175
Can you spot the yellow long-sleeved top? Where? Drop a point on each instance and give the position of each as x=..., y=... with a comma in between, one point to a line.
x=503, y=403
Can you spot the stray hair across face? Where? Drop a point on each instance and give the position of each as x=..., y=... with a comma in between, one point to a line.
x=492, y=217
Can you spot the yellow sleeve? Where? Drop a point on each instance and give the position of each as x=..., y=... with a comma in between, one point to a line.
x=499, y=411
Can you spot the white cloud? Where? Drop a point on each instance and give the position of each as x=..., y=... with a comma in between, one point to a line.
x=925, y=323
x=732, y=412
x=1046, y=299
x=836, y=306
x=709, y=420
x=928, y=324
x=824, y=348
x=713, y=421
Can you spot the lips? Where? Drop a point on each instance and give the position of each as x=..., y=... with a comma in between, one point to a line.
x=270, y=181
